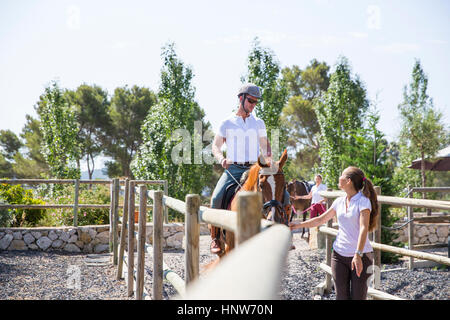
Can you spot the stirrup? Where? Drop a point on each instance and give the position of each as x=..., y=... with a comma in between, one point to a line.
x=215, y=246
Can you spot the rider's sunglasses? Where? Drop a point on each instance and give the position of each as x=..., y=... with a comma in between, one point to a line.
x=252, y=101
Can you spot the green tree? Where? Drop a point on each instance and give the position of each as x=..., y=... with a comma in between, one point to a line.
x=372, y=154
x=59, y=131
x=422, y=133
x=299, y=115
x=31, y=162
x=176, y=112
x=340, y=114
x=90, y=105
x=10, y=144
x=264, y=70
x=122, y=137
x=6, y=170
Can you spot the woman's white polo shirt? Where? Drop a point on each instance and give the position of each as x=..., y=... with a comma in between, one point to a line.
x=348, y=219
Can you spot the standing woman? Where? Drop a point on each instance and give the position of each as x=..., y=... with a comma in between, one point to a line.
x=352, y=253
x=317, y=201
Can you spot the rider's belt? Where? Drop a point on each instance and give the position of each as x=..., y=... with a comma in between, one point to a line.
x=245, y=164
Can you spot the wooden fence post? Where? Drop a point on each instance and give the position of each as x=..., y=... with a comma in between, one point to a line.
x=328, y=249
x=410, y=211
x=158, y=217
x=192, y=232
x=75, y=206
x=141, y=242
x=131, y=208
x=123, y=230
x=116, y=220
x=377, y=238
x=248, y=215
x=166, y=209
x=111, y=209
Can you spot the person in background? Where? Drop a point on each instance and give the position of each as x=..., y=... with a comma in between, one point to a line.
x=352, y=252
x=317, y=201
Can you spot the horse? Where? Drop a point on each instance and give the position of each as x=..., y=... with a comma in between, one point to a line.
x=270, y=181
x=299, y=206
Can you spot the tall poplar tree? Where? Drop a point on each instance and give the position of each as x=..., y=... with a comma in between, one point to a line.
x=171, y=123
x=422, y=133
x=340, y=115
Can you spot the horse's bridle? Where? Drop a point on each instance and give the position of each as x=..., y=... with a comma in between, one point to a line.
x=273, y=203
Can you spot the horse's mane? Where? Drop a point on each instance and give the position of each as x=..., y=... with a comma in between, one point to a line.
x=252, y=177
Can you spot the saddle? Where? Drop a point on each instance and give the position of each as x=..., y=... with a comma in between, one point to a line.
x=230, y=192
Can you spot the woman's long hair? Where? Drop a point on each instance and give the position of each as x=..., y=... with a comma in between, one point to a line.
x=361, y=182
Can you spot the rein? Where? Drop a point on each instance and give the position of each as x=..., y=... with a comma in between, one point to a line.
x=269, y=204
x=273, y=203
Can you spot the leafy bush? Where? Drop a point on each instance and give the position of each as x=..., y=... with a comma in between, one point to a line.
x=98, y=194
x=16, y=194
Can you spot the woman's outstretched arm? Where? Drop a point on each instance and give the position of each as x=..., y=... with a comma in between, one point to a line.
x=314, y=222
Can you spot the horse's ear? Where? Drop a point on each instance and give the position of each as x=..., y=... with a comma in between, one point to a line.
x=262, y=161
x=283, y=159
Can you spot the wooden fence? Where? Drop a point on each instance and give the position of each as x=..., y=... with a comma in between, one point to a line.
x=330, y=232
x=239, y=275
x=244, y=263
x=114, y=186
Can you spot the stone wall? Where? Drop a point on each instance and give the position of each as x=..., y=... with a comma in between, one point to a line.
x=425, y=233
x=87, y=239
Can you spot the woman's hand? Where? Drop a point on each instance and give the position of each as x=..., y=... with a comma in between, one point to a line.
x=294, y=225
x=357, y=264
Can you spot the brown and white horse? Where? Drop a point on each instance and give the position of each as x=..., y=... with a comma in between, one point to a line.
x=269, y=180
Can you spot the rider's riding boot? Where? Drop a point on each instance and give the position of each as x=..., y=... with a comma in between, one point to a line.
x=215, y=244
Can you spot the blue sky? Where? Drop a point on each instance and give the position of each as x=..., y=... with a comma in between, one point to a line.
x=117, y=43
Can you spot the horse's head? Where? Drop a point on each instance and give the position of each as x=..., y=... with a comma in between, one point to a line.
x=291, y=187
x=272, y=186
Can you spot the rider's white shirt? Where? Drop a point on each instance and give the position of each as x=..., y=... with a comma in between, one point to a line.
x=242, y=137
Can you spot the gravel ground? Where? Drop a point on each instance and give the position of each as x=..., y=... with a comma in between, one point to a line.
x=47, y=275
x=37, y=275
x=302, y=274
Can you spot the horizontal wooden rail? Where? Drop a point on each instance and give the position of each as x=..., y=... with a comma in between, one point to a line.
x=54, y=206
x=71, y=181
x=218, y=217
x=249, y=272
x=431, y=189
x=156, y=182
x=53, y=181
x=401, y=251
x=406, y=202
x=432, y=219
x=170, y=202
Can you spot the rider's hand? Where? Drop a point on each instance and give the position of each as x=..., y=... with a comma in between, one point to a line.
x=225, y=163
